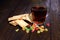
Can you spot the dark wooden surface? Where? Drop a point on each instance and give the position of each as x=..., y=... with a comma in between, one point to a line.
x=14, y=7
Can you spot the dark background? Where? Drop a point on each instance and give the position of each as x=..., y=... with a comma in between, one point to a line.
x=10, y=8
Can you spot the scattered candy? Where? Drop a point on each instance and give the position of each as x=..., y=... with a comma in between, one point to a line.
x=27, y=31
x=42, y=26
x=33, y=28
x=36, y=28
x=46, y=29
x=17, y=30
x=41, y=30
x=48, y=24
x=38, y=31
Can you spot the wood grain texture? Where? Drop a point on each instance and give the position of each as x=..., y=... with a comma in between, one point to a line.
x=14, y=7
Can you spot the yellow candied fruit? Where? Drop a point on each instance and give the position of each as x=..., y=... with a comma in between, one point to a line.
x=38, y=31
x=41, y=30
x=17, y=30
x=27, y=31
x=42, y=26
x=46, y=29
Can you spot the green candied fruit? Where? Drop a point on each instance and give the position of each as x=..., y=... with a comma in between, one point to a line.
x=31, y=28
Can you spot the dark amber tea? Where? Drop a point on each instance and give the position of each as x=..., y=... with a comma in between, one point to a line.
x=39, y=13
